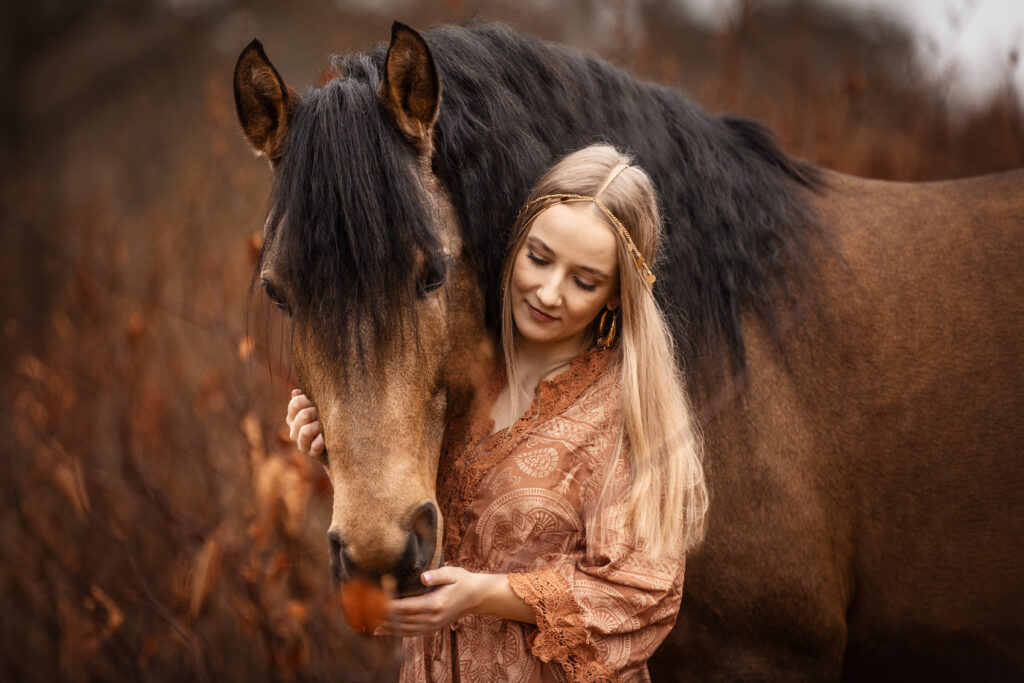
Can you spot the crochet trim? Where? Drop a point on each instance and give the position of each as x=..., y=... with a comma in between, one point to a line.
x=560, y=634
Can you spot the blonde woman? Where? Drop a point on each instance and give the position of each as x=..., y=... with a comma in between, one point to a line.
x=573, y=488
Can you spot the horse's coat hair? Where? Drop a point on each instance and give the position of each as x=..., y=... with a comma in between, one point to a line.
x=737, y=222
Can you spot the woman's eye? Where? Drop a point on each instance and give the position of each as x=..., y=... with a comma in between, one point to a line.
x=536, y=259
x=586, y=285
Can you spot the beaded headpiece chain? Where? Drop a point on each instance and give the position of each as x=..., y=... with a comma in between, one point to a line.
x=638, y=259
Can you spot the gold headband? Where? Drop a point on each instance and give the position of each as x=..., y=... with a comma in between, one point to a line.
x=615, y=174
x=638, y=259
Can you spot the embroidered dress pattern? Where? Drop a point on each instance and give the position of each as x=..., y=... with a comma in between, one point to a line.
x=527, y=502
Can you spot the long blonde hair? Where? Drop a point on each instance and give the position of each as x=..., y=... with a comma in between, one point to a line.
x=668, y=499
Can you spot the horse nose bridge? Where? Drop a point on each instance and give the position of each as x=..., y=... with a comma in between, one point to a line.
x=377, y=433
x=384, y=475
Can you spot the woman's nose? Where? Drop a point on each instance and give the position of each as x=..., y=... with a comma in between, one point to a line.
x=549, y=291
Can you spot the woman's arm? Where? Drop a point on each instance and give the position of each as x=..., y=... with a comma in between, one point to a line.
x=457, y=593
x=499, y=600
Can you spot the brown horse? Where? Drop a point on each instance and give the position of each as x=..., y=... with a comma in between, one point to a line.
x=854, y=346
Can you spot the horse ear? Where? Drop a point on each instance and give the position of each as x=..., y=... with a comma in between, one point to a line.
x=263, y=101
x=410, y=89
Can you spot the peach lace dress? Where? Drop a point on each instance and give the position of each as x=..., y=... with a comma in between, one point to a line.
x=525, y=502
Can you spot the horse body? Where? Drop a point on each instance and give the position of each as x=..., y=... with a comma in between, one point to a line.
x=866, y=479
x=862, y=454
x=927, y=381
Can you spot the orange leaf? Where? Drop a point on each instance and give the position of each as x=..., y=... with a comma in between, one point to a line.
x=254, y=245
x=297, y=610
x=245, y=346
x=115, y=617
x=204, y=574
x=365, y=605
x=134, y=328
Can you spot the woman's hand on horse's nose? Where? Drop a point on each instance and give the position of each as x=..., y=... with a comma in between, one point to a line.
x=458, y=593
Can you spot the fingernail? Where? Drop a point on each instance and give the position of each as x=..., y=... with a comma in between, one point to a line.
x=427, y=578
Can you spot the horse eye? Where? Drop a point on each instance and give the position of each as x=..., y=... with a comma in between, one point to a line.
x=278, y=300
x=431, y=279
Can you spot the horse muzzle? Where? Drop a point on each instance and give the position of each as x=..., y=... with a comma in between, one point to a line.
x=403, y=578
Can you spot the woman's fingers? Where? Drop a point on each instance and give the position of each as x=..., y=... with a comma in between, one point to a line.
x=317, y=448
x=297, y=403
x=303, y=419
x=305, y=437
x=425, y=613
x=410, y=626
x=303, y=427
x=440, y=576
x=411, y=607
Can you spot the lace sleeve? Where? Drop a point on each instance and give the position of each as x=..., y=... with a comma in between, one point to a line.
x=602, y=612
x=561, y=634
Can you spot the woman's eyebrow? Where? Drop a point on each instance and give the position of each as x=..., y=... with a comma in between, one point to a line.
x=538, y=244
x=594, y=271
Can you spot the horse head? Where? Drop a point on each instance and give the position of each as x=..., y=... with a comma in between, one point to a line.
x=362, y=251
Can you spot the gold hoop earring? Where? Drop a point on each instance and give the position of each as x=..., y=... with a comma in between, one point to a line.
x=606, y=339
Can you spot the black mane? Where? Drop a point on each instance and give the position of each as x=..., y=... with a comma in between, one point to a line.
x=737, y=222
x=356, y=214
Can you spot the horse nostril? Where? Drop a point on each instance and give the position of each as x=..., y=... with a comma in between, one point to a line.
x=334, y=538
x=341, y=563
x=347, y=564
x=423, y=536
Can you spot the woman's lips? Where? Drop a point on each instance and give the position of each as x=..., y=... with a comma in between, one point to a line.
x=540, y=316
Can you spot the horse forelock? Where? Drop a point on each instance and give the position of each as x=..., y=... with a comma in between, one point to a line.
x=350, y=224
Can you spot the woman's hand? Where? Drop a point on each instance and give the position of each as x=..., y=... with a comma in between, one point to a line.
x=303, y=427
x=459, y=593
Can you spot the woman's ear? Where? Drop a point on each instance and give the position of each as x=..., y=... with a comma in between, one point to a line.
x=613, y=302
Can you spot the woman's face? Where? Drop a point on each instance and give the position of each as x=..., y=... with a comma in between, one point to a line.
x=566, y=271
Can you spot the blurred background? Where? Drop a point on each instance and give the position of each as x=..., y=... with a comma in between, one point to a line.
x=155, y=523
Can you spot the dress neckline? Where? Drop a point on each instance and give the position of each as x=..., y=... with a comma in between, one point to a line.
x=587, y=364
x=468, y=459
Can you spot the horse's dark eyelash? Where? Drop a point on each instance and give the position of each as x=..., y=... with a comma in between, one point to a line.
x=275, y=297
x=433, y=278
